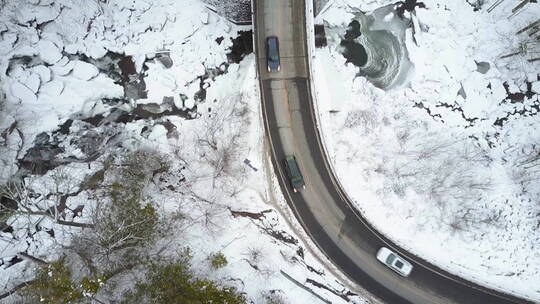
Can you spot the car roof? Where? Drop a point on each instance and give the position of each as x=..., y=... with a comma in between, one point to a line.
x=291, y=162
x=384, y=252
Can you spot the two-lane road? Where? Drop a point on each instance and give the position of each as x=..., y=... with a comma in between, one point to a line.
x=322, y=208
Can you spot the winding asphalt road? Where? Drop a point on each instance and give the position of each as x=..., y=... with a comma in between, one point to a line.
x=323, y=209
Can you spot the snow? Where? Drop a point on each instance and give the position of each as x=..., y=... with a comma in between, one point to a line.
x=84, y=71
x=67, y=57
x=7, y=42
x=43, y=72
x=536, y=87
x=49, y=52
x=22, y=92
x=204, y=17
x=52, y=89
x=39, y=14
x=33, y=82
x=465, y=185
x=63, y=67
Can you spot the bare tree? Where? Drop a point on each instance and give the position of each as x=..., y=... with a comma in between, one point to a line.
x=25, y=201
x=526, y=171
x=124, y=220
x=444, y=170
x=222, y=138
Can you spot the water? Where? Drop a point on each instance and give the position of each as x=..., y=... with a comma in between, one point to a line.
x=354, y=52
x=353, y=31
x=242, y=46
x=320, y=36
x=375, y=43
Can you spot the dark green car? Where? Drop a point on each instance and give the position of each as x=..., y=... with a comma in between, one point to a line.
x=296, y=178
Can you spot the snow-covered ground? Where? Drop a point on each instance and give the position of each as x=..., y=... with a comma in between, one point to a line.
x=66, y=108
x=447, y=164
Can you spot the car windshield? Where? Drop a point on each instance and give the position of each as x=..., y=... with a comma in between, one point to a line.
x=272, y=50
x=391, y=257
x=399, y=264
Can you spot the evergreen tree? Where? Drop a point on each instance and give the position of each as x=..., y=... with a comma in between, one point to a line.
x=173, y=283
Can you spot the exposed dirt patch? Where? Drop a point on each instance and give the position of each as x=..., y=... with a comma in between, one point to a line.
x=268, y=226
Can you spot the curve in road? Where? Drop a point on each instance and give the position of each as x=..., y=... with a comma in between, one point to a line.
x=323, y=208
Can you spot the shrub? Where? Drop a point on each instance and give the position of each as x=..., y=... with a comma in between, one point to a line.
x=53, y=284
x=219, y=260
x=126, y=222
x=174, y=283
x=274, y=297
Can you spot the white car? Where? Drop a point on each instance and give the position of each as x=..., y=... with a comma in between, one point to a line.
x=394, y=261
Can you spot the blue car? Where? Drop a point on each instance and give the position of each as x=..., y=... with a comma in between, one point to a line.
x=272, y=54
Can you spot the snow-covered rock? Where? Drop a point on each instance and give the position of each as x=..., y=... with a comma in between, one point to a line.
x=43, y=72
x=204, y=18
x=33, y=82
x=49, y=52
x=55, y=38
x=84, y=70
x=63, y=69
x=22, y=92
x=24, y=14
x=63, y=61
x=53, y=88
x=38, y=13
x=19, y=73
x=536, y=87
x=189, y=103
x=7, y=42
